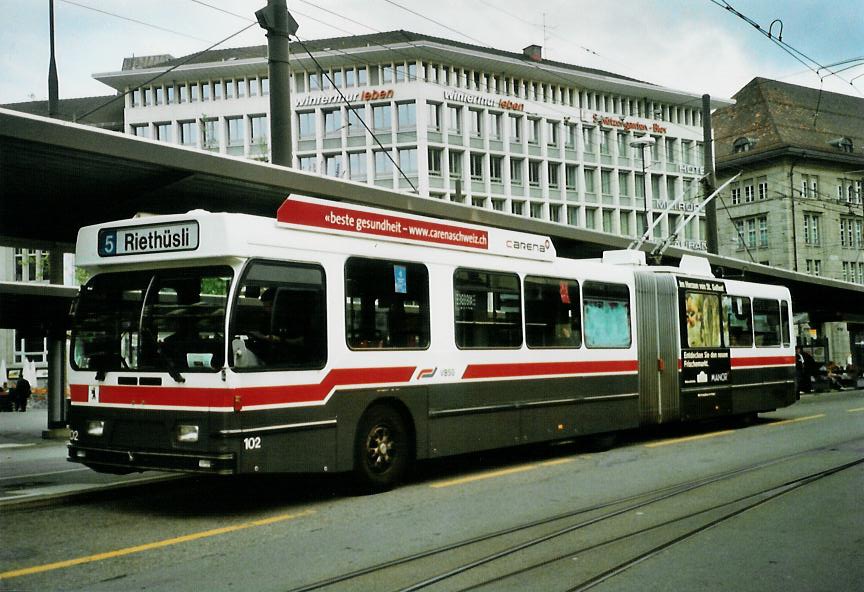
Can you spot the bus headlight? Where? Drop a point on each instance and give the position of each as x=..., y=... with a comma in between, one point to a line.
x=95, y=427
x=187, y=433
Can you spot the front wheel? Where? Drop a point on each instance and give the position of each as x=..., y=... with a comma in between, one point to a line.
x=383, y=451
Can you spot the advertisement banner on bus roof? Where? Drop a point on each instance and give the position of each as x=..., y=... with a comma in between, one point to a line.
x=349, y=219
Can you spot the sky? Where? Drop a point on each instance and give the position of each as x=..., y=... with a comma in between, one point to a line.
x=696, y=46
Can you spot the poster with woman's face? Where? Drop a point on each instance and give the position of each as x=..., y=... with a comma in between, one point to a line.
x=703, y=319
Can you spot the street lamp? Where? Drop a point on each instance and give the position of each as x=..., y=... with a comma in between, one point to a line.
x=642, y=142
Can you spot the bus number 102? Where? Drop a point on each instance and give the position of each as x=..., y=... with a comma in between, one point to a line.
x=252, y=443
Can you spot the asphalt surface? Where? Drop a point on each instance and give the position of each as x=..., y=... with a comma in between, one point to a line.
x=34, y=470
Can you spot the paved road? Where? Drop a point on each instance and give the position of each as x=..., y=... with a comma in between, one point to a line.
x=280, y=533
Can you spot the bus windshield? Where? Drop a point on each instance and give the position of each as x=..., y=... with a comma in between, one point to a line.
x=159, y=320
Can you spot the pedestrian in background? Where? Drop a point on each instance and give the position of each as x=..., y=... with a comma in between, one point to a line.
x=22, y=394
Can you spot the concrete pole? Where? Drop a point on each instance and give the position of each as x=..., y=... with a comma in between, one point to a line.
x=56, y=357
x=279, y=24
x=710, y=180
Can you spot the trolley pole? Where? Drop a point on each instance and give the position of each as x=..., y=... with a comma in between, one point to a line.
x=709, y=180
x=279, y=24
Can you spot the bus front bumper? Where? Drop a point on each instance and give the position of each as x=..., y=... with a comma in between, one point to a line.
x=113, y=460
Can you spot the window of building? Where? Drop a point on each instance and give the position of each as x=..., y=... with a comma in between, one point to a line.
x=333, y=165
x=408, y=161
x=516, y=165
x=32, y=265
x=476, y=161
x=570, y=132
x=355, y=121
x=386, y=304
x=762, y=187
x=552, y=133
x=162, y=131
x=606, y=314
x=253, y=87
x=187, y=132
x=589, y=180
x=241, y=88
x=434, y=113
x=406, y=114
x=279, y=318
x=554, y=172
x=588, y=139
x=533, y=131
x=381, y=118
x=357, y=166
x=498, y=205
x=606, y=182
x=235, y=131
x=259, y=131
x=308, y=164
x=623, y=189
x=306, y=128
x=763, y=230
x=495, y=123
x=670, y=150
x=205, y=91
x=217, y=90
x=362, y=76
x=495, y=165
x=141, y=130
x=383, y=165
x=515, y=128
x=534, y=173
x=606, y=142
x=454, y=119
x=749, y=195
x=812, y=229
x=735, y=190
x=229, y=89
x=591, y=218
x=570, y=171
x=476, y=117
x=434, y=164
x=488, y=309
x=210, y=134
x=555, y=212
x=455, y=163
x=332, y=122
x=517, y=208
x=535, y=210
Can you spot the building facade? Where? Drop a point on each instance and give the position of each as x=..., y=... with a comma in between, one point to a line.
x=798, y=203
x=446, y=120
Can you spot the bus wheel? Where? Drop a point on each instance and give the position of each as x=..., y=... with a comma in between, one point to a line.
x=382, y=451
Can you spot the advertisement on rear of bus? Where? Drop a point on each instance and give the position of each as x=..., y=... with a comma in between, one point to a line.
x=705, y=359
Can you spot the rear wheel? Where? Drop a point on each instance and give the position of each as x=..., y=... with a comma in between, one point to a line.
x=383, y=451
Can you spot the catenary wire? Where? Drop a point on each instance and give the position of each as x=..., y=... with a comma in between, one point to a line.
x=136, y=21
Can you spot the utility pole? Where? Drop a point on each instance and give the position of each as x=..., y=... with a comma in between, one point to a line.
x=709, y=181
x=53, y=92
x=279, y=24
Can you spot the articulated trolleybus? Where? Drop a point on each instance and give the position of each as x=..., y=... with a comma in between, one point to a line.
x=345, y=338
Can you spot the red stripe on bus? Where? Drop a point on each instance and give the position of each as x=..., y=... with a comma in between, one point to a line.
x=548, y=369
x=249, y=396
x=763, y=361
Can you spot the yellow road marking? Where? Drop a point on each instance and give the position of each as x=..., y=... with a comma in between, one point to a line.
x=688, y=439
x=797, y=419
x=482, y=476
x=856, y=410
x=499, y=473
x=15, y=573
x=557, y=461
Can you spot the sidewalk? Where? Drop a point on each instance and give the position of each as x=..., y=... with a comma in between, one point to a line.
x=34, y=471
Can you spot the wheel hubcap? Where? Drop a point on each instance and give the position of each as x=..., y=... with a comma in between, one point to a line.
x=380, y=448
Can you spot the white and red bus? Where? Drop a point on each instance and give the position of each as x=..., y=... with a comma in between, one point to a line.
x=345, y=338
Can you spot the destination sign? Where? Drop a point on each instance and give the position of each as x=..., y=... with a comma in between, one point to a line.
x=138, y=240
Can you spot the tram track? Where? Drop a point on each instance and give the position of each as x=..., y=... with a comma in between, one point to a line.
x=479, y=562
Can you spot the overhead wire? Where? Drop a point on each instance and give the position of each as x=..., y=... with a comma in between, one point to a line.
x=136, y=21
x=185, y=60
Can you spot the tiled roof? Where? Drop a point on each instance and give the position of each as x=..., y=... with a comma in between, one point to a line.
x=355, y=41
x=108, y=117
x=777, y=115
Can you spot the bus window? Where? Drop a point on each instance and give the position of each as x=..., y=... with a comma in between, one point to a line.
x=552, y=313
x=784, y=323
x=279, y=318
x=738, y=330
x=171, y=319
x=488, y=309
x=766, y=322
x=386, y=304
x=607, y=315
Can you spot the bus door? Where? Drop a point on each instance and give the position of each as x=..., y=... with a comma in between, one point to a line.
x=657, y=336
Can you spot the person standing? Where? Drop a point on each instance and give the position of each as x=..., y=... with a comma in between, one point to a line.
x=22, y=393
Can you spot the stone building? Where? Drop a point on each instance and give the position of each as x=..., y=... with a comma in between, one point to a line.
x=798, y=203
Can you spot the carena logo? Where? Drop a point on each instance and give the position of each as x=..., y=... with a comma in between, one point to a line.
x=518, y=245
